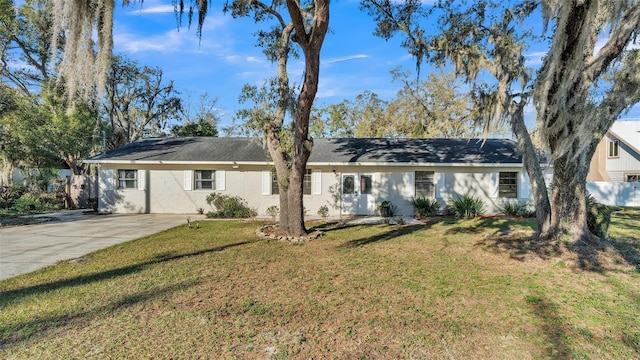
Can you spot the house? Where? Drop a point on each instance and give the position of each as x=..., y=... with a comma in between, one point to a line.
x=349, y=176
x=617, y=156
x=614, y=173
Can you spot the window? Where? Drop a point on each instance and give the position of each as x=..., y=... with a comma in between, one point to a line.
x=348, y=184
x=508, y=185
x=366, y=184
x=127, y=179
x=632, y=178
x=424, y=186
x=306, y=183
x=614, y=149
x=205, y=179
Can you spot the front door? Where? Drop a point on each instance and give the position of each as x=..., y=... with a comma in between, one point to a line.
x=357, y=194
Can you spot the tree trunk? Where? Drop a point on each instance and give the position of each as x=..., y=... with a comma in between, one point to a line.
x=568, y=200
x=296, y=206
x=532, y=166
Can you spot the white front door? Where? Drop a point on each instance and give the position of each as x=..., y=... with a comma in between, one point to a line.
x=357, y=194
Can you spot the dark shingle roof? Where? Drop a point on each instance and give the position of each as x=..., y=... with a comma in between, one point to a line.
x=414, y=151
x=188, y=149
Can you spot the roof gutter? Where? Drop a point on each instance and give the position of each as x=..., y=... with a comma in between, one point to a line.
x=310, y=163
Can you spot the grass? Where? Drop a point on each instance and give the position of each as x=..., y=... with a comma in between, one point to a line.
x=444, y=290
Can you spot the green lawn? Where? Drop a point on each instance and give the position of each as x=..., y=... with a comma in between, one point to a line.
x=444, y=290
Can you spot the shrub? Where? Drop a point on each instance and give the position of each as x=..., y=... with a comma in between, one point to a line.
x=387, y=209
x=229, y=207
x=598, y=217
x=425, y=207
x=10, y=194
x=27, y=204
x=323, y=211
x=465, y=207
x=516, y=209
x=51, y=201
x=273, y=211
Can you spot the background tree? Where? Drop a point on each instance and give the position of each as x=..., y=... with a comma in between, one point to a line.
x=137, y=102
x=202, y=127
x=199, y=119
x=37, y=130
x=333, y=121
x=45, y=133
x=579, y=91
x=437, y=107
x=434, y=108
x=25, y=33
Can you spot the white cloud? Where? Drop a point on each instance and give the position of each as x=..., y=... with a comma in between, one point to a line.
x=253, y=59
x=534, y=59
x=345, y=58
x=169, y=41
x=159, y=9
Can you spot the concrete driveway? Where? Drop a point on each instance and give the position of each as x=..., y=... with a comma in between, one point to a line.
x=24, y=249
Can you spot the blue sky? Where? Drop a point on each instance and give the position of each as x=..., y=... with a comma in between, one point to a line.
x=226, y=58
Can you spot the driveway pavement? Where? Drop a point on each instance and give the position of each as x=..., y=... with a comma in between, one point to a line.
x=24, y=249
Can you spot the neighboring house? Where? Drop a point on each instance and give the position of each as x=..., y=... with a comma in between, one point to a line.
x=350, y=176
x=614, y=173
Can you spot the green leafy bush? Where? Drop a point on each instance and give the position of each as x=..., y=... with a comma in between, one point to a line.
x=273, y=211
x=598, y=217
x=10, y=194
x=27, y=204
x=323, y=211
x=516, y=209
x=465, y=207
x=386, y=209
x=425, y=207
x=229, y=207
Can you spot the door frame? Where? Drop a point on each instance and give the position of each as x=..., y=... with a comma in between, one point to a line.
x=356, y=203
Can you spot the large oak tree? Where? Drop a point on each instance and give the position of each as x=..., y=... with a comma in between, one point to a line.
x=589, y=76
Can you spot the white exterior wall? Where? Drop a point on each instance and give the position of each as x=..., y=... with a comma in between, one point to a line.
x=396, y=184
x=163, y=189
x=615, y=193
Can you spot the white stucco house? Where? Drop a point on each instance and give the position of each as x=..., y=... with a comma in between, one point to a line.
x=349, y=176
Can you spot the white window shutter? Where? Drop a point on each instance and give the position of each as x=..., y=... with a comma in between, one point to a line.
x=439, y=179
x=220, y=179
x=266, y=182
x=109, y=179
x=142, y=179
x=188, y=180
x=316, y=178
x=524, y=185
x=494, y=185
x=410, y=184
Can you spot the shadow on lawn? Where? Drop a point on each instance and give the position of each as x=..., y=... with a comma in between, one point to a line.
x=480, y=225
x=596, y=256
x=18, y=332
x=9, y=296
x=553, y=327
x=11, y=334
x=387, y=235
